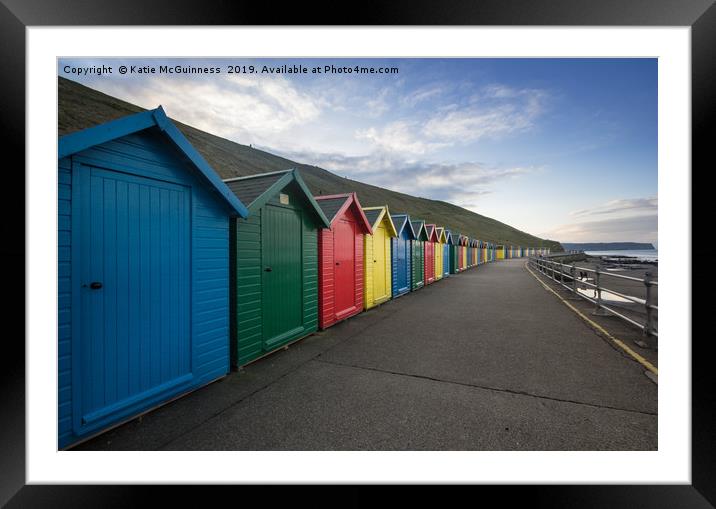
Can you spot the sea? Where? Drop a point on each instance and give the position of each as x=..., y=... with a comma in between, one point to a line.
x=641, y=254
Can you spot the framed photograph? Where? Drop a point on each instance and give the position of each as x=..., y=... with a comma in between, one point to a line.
x=422, y=249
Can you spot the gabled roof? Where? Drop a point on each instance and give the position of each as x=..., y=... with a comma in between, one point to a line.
x=464, y=240
x=419, y=228
x=335, y=205
x=81, y=140
x=377, y=214
x=257, y=190
x=432, y=234
x=401, y=221
x=448, y=236
x=440, y=231
x=454, y=238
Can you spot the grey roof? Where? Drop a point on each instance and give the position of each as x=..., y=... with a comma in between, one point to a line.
x=398, y=219
x=331, y=206
x=247, y=189
x=418, y=224
x=372, y=215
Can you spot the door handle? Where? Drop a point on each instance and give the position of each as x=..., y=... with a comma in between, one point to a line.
x=268, y=269
x=96, y=285
x=338, y=263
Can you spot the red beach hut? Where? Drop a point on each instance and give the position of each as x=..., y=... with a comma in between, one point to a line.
x=340, y=258
x=430, y=253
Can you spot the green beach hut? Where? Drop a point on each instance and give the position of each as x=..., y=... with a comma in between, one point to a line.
x=274, y=264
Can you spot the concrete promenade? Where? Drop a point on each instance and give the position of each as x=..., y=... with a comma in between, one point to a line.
x=483, y=360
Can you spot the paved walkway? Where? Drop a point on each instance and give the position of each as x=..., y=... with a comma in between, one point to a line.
x=484, y=360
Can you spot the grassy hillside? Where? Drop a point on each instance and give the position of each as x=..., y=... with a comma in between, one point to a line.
x=81, y=107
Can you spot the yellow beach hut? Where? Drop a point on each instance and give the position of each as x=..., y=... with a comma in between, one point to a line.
x=439, y=251
x=377, y=269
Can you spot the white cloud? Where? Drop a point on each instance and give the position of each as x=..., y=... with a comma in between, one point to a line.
x=631, y=206
x=422, y=94
x=397, y=137
x=236, y=107
x=461, y=183
x=492, y=113
x=622, y=229
x=379, y=104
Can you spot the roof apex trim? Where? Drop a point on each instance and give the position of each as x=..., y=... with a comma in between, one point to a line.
x=351, y=200
x=81, y=140
x=289, y=176
x=384, y=215
x=405, y=221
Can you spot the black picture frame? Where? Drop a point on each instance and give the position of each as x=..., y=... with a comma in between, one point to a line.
x=16, y=15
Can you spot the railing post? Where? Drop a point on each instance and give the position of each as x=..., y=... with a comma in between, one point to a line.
x=598, y=292
x=561, y=273
x=573, y=273
x=648, y=326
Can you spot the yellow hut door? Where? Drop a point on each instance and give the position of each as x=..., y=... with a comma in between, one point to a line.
x=438, y=260
x=380, y=290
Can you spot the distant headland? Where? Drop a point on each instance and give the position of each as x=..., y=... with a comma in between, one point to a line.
x=607, y=246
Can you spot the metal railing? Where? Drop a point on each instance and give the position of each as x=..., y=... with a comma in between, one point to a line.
x=566, y=276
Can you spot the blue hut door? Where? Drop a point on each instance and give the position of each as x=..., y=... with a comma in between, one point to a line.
x=402, y=261
x=133, y=261
x=446, y=259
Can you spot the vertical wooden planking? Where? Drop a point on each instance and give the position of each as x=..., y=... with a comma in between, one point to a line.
x=388, y=270
x=155, y=264
x=309, y=274
x=249, y=328
x=134, y=226
x=145, y=290
x=173, y=289
x=368, y=270
x=65, y=207
x=95, y=302
x=359, y=267
x=122, y=283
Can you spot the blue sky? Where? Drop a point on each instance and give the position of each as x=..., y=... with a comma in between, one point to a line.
x=561, y=148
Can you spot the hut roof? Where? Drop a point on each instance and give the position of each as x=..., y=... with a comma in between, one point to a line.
x=419, y=228
x=401, y=221
x=87, y=137
x=377, y=214
x=335, y=205
x=257, y=190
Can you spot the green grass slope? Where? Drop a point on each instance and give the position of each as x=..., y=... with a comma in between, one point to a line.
x=80, y=107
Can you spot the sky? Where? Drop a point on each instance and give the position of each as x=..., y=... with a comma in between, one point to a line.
x=564, y=149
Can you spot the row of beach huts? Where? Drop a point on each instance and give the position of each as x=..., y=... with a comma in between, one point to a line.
x=168, y=276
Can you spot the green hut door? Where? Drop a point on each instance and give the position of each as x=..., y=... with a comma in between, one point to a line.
x=282, y=275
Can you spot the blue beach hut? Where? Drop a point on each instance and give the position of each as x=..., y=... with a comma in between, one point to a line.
x=143, y=271
x=446, y=253
x=401, y=254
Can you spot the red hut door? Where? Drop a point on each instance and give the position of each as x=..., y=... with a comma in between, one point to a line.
x=344, y=238
x=429, y=262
